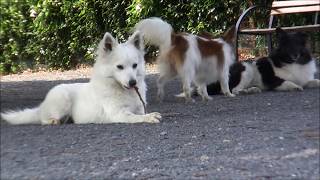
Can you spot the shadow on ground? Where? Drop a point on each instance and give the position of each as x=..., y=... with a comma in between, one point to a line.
x=272, y=135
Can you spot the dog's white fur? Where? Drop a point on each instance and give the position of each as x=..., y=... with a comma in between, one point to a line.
x=107, y=98
x=195, y=69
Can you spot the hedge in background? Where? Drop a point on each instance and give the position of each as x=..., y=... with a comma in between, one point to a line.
x=62, y=34
x=16, y=34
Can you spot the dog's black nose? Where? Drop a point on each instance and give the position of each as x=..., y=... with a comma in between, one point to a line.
x=132, y=83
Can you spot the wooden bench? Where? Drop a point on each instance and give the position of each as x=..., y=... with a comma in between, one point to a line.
x=280, y=8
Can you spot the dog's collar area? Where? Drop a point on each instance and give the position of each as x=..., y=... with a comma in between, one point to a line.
x=143, y=103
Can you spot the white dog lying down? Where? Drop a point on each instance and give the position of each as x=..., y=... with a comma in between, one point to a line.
x=109, y=97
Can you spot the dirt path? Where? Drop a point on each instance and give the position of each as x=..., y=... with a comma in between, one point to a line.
x=272, y=135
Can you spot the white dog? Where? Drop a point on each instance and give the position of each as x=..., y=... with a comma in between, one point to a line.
x=109, y=97
x=195, y=59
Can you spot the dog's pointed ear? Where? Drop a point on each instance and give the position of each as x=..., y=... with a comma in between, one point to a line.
x=137, y=40
x=109, y=43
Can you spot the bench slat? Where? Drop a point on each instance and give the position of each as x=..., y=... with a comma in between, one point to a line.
x=294, y=3
x=295, y=9
x=271, y=30
x=280, y=7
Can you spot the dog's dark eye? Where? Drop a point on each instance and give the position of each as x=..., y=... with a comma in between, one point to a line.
x=120, y=67
x=134, y=65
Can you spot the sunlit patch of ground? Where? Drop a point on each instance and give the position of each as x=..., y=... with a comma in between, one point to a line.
x=49, y=75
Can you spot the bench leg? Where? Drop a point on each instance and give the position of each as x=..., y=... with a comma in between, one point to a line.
x=237, y=51
x=269, y=36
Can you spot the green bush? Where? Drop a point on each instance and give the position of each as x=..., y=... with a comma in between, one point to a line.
x=190, y=15
x=15, y=35
x=65, y=33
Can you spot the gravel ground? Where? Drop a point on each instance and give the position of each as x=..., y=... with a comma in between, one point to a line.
x=272, y=135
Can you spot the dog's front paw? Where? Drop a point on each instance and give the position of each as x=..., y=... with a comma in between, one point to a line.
x=54, y=121
x=206, y=98
x=236, y=91
x=229, y=94
x=189, y=100
x=289, y=86
x=298, y=88
x=295, y=87
x=153, y=117
x=315, y=83
x=253, y=90
x=181, y=95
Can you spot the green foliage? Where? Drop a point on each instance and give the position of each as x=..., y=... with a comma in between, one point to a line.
x=15, y=35
x=65, y=33
x=189, y=15
x=62, y=35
